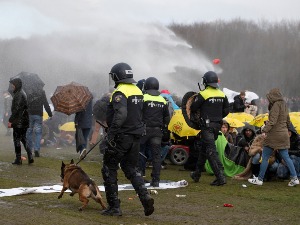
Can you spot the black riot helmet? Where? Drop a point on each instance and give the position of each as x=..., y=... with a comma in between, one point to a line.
x=122, y=73
x=210, y=78
x=151, y=86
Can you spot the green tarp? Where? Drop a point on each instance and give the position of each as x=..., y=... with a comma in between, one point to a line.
x=230, y=168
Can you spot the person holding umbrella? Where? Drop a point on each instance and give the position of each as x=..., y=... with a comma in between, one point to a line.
x=19, y=121
x=125, y=128
x=83, y=124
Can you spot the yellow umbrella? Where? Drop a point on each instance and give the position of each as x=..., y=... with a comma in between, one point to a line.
x=179, y=127
x=243, y=117
x=259, y=120
x=234, y=122
x=294, y=114
x=69, y=126
x=296, y=122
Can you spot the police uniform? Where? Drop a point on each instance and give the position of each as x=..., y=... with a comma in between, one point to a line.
x=125, y=127
x=156, y=117
x=213, y=106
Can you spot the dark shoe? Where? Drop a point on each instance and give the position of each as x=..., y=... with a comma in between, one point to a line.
x=36, y=154
x=195, y=176
x=17, y=162
x=30, y=161
x=112, y=212
x=154, y=183
x=218, y=182
x=148, y=203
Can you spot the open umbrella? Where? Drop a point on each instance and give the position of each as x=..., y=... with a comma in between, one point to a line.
x=179, y=127
x=234, y=122
x=259, y=120
x=69, y=126
x=71, y=98
x=296, y=122
x=243, y=117
x=31, y=82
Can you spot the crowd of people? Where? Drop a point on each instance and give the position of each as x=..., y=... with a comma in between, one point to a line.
x=134, y=119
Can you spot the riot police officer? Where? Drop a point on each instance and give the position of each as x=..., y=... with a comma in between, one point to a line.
x=156, y=117
x=213, y=106
x=125, y=127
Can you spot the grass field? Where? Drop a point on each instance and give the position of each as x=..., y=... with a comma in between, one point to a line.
x=272, y=203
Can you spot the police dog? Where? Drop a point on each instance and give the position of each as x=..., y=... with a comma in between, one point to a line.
x=75, y=179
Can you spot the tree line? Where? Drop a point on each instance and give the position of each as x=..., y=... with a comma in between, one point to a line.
x=255, y=56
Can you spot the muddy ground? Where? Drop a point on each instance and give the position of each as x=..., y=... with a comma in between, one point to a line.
x=272, y=203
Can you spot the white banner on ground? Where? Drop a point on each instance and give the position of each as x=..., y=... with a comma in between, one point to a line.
x=164, y=184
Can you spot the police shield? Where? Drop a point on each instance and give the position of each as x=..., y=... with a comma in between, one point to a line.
x=192, y=119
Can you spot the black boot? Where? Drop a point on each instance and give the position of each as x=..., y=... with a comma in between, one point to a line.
x=195, y=176
x=220, y=180
x=147, y=202
x=29, y=155
x=18, y=160
x=154, y=183
x=113, y=209
x=145, y=198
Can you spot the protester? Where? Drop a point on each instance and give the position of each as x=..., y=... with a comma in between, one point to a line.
x=125, y=127
x=53, y=124
x=276, y=137
x=294, y=152
x=37, y=101
x=243, y=142
x=156, y=117
x=83, y=124
x=239, y=104
x=225, y=130
x=19, y=121
x=214, y=106
x=7, y=111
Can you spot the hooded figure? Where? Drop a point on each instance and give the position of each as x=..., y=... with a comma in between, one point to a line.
x=19, y=115
x=276, y=137
x=276, y=128
x=19, y=121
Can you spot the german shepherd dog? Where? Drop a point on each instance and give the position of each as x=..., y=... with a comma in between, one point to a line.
x=75, y=179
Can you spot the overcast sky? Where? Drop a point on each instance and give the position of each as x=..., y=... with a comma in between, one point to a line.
x=26, y=17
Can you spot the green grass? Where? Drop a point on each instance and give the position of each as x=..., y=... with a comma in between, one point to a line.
x=272, y=203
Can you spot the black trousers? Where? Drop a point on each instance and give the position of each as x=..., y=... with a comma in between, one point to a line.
x=19, y=135
x=126, y=152
x=208, y=150
x=151, y=143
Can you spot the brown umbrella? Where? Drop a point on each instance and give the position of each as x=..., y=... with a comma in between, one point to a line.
x=71, y=98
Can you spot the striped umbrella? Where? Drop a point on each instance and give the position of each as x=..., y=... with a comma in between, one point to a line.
x=71, y=98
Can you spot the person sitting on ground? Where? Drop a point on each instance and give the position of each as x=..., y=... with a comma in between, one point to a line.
x=225, y=130
x=243, y=143
x=45, y=135
x=294, y=152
